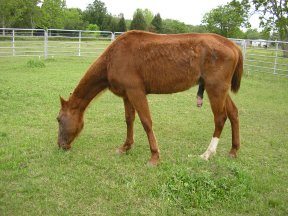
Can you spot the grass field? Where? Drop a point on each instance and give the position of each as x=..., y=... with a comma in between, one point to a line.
x=36, y=178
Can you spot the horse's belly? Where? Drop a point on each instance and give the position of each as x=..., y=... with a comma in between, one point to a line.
x=170, y=84
x=171, y=76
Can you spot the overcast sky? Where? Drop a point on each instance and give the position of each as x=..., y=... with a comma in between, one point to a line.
x=187, y=11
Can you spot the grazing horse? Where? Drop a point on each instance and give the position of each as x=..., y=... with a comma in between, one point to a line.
x=138, y=63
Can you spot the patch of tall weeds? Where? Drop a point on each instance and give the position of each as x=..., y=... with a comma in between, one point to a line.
x=187, y=190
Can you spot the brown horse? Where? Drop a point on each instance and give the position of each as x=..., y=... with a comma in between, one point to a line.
x=139, y=63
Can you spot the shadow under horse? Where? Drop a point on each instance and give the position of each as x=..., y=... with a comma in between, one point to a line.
x=138, y=63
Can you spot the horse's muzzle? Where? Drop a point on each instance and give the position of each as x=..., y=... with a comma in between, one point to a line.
x=64, y=146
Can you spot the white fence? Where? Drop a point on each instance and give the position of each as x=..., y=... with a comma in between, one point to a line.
x=52, y=42
x=265, y=56
x=259, y=55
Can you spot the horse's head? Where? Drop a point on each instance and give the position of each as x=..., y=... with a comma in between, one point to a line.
x=70, y=124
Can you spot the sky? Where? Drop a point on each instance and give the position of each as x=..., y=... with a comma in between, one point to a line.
x=187, y=11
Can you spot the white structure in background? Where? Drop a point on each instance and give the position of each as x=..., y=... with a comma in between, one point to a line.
x=260, y=43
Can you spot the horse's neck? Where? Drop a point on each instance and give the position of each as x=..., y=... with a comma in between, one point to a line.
x=93, y=82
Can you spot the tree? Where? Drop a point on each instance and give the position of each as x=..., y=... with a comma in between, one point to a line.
x=170, y=26
x=96, y=13
x=73, y=19
x=9, y=13
x=53, y=13
x=157, y=23
x=252, y=34
x=110, y=23
x=20, y=13
x=92, y=27
x=122, y=24
x=274, y=16
x=138, y=21
x=197, y=28
x=29, y=14
x=266, y=34
x=226, y=20
x=148, y=16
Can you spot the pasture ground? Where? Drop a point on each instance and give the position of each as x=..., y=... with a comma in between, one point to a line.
x=38, y=179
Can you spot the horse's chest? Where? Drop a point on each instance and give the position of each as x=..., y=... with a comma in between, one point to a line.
x=116, y=88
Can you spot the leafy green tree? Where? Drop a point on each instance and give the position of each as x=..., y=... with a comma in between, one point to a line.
x=170, y=26
x=29, y=14
x=148, y=16
x=266, y=34
x=96, y=13
x=252, y=34
x=110, y=23
x=157, y=23
x=138, y=21
x=197, y=28
x=92, y=27
x=122, y=24
x=73, y=19
x=274, y=16
x=53, y=13
x=19, y=13
x=226, y=20
x=10, y=13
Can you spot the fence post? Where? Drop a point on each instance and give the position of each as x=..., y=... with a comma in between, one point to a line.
x=276, y=57
x=13, y=42
x=112, y=36
x=244, y=49
x=79, y=44
x=45, y=44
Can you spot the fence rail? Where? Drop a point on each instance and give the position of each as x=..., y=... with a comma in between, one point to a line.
x=259, y=55
x=264, y=56
x=52, y=42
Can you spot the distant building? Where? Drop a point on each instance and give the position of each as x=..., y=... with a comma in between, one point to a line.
x=260, y=43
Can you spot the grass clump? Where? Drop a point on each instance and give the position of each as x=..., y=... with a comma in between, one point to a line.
x=35, y=64
x=188, y=191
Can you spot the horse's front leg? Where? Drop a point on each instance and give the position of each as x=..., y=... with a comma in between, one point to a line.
x=130, y=117
x=140, y=103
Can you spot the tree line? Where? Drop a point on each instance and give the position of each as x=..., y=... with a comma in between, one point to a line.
x=227, y=20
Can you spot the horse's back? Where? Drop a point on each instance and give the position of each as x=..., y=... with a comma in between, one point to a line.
x=167, y=63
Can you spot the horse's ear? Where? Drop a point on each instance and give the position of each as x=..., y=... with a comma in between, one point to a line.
x=63, y=102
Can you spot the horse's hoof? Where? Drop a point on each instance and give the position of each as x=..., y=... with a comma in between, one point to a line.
x=232, y=156
x=204, y=157
x=208, y=154
x=232, y=153
x=153, y=163
x=120, y=151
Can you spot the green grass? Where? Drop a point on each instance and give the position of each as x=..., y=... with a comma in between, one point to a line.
x=38, y=179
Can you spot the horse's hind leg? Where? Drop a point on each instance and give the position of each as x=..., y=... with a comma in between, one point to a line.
x=129, y=117
x=217, y=99
x=139, y=101
x=232, y=113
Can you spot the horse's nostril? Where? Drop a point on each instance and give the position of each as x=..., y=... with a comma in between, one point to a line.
x=66, y=147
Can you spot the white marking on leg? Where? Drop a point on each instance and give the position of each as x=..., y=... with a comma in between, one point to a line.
x=211, y=150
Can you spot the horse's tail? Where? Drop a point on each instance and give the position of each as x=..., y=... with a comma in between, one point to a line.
x=236, y=79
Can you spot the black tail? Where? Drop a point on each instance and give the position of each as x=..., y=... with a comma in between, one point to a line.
x=236, y=79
